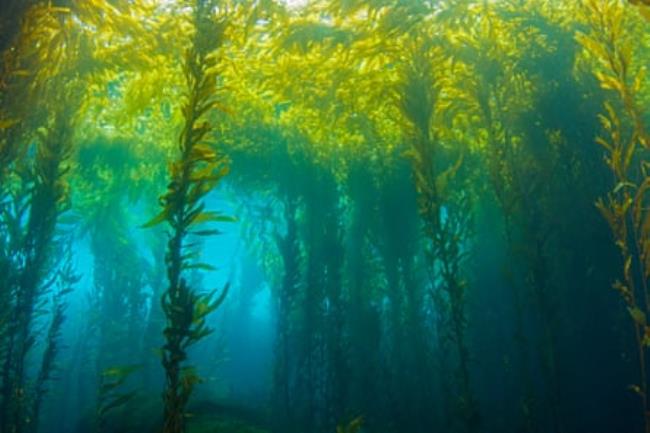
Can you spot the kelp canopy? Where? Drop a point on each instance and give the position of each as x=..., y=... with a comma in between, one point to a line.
x=324, y=216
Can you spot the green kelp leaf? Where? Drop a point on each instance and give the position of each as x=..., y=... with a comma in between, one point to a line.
x=189, y=377
x=158, y=219
x=113, y=377
x=210, y=172
x=206, y=304
x=121, y=370
x=118, y=401
x=352, y=427
x=192, y=212
x=635, y=389
x=201, y=309
x=210, y=216
x=207, y=232
x=192, y=255
x=222, y=297
x=200, y=266
x=443, y=179
x=198, y=334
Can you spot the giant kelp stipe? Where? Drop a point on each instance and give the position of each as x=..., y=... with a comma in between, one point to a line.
x=297, y=216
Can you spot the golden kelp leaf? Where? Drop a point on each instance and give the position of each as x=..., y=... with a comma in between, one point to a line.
x=602, y=141
x=121, y=370
x=646, y=336
x=605, y=122
x=203, y=152
x=639, y=80
x=635, y=389
x=210, y=216
x=623, y=290
x=592, y=46
x=639, y=200
x=60, y=10
x=622, y=185
x=645, y=12
x=443, y=179
x=611, y=112
x=607, y=213
x=637, y=315
x=158, y=219
x=627, y=271
x=202, y=307
x=608, y=82
x=7, y=123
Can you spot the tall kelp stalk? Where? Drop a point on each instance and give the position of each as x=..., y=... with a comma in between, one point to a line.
x=323, y=302
x=493, y=87
x=543, y=155
x=319, y=307
x=626, y=141
x=11, y=88
x=192, y=176
x=363, y=315
x=37, y=196
x=408, y=340
x=336, y=379
x=445, y=217
x=17, y=94
x=67, y=278
x=500, y=162
x=33, y=261
x=300, y=234
x=536, y=172
x=289, y=248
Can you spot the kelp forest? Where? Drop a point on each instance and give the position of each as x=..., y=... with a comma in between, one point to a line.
x=324, y=216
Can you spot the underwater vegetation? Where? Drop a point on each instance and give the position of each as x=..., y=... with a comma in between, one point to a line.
x=250, y=216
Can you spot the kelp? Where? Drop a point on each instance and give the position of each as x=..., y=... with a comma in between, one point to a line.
x=495, y=83
x=365, y=134
x=120, y=272
x=626, y=142
x=37, y=197
x=289, y=249
x=110, y=394
x=352, y=427
x=67, y=279
x=192, y=176
x=35, y=149
x=644, y=7
x=30, y=279
x=301, y=35
x=445, y=217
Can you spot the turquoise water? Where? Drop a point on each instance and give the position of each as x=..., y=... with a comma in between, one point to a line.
x=324, y=216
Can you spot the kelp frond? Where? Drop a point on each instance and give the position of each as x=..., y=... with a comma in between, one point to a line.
x=199, y=168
